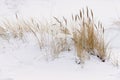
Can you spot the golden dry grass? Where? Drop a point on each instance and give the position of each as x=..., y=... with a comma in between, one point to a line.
x=88, y=37
x=60, y=30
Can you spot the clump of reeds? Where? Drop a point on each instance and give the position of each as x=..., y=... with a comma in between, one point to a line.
x=13, y=28
x=89, y=37
x=39, y=30
x=100, y=46
x=19, y=27
x=60, y=36
x=79, y=43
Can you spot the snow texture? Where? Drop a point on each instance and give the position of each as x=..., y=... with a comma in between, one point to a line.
x=23, y=60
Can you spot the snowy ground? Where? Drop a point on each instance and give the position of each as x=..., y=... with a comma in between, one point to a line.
x=23, y=60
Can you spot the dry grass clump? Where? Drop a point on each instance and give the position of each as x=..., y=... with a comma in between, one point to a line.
x=101, y=47
x=35, y=29
x=39, y=30
x=18, y=27
x=79, y=43
x=60, y=33
x=57, y=46
x=14, y=28
x=89, y=37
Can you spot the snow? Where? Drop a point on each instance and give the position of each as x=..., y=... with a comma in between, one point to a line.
x=23, y=60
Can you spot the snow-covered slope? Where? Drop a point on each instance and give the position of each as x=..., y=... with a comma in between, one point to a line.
x=23, y=60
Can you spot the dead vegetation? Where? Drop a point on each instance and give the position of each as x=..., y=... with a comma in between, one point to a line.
x=87, y=36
